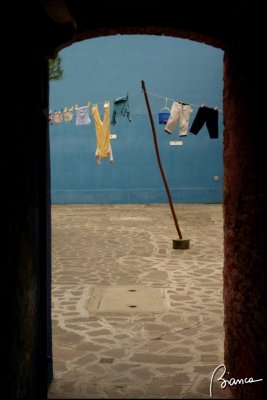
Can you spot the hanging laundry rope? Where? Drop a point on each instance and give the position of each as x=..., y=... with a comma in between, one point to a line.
x=191, y=104
x=132, y=95
x=75, y=107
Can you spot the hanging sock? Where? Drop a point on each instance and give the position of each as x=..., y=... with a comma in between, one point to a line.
x=121, y=108
x=208, y=115
x=180, y=114
x=103, y=146
x=82, y=116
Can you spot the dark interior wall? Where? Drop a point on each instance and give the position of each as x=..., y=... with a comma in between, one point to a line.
x=245, y=200
x=26, y=216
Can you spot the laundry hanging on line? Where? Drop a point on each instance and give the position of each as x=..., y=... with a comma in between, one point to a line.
x=102, y=128
x=82, y=115
x=183, y=102
x=58, y=117
x=180, y=114
x=164, y=114
x=68, y=114
x=121, y=108
x=210, y=117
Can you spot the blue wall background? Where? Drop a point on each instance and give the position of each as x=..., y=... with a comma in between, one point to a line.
x=108, y=67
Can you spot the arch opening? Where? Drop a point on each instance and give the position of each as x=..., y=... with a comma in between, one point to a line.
x=134, y=142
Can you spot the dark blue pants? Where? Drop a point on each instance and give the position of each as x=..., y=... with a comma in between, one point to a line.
x=208, y=115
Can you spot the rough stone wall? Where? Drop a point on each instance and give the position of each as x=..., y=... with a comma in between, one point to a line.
x=245, y=201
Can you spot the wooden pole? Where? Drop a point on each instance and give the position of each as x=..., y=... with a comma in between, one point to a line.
x=159, y=162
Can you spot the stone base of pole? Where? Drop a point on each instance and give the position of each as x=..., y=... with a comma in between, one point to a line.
x=181, y=244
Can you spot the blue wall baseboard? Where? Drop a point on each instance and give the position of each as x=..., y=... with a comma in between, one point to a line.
x=137, y=196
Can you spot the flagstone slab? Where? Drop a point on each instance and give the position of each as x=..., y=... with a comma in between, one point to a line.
x=127, y=298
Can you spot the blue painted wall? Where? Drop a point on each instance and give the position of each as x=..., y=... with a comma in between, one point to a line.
x=109, y=67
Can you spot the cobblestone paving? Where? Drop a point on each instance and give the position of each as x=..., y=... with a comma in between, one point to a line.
x=133, y=354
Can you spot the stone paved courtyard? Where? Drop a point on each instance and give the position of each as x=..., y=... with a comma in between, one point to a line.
x=107, y=344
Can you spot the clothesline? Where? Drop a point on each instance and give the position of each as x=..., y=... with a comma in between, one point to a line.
x=156, y=95
x=168, y=98
x=129, y=94
x=179, y=112
x=152, y=94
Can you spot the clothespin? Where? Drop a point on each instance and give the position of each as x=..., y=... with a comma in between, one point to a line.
x=166, y=99
x=215, y=108
x=89, y=103
x=65, y=109
x=202, y=105
x=75, y=106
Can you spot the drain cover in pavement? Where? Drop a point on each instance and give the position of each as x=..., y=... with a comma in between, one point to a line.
x=127, y=299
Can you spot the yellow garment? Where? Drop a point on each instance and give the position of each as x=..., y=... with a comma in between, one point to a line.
x=102, y=132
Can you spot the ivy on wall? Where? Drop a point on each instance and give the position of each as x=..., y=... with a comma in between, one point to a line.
x=55, y=69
